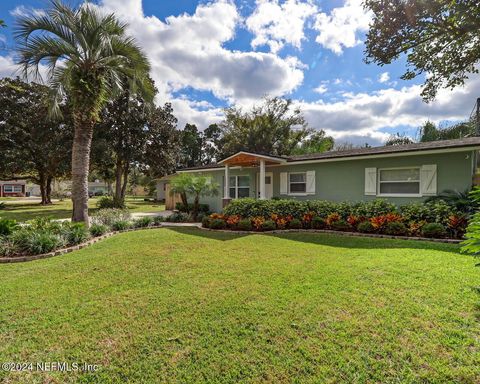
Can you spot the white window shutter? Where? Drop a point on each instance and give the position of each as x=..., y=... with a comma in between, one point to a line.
x=371, y=181
x=311, y=182
x=283, y=183
x=428, y=180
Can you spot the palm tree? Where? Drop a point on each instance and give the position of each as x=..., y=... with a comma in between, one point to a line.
x=90, y=59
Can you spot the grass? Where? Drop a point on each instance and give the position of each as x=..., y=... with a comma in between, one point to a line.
x=27, y=210
x=188, y=306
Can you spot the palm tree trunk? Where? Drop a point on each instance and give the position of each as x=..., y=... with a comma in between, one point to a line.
x=82, y=142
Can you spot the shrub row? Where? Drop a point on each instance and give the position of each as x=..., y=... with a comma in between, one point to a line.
x=434, y=219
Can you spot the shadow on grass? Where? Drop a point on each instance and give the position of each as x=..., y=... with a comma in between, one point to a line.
x=327, y=239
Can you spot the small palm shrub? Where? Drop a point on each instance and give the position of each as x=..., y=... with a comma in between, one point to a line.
x=269, y=225
x=98, y=230
x=7, y=226
x=245, y=225
x=365, y=227
x=396, y=228
x=120, y=225
x=433, y=230
x=143, y=222
x=2, y=205
x=295, y=224
x=218, y=224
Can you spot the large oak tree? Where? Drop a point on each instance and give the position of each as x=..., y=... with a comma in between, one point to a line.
x=439, y=38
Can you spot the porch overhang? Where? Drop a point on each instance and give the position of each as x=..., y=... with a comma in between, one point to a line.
x=249, y=159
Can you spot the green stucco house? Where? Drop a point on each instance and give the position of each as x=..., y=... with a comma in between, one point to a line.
x=400, y=174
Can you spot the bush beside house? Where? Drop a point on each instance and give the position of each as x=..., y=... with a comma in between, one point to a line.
x=436, y=219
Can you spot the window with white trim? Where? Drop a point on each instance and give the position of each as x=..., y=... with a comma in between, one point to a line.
x=239, y=186
x=12, y=188
x=399, y=181
x=297, y=182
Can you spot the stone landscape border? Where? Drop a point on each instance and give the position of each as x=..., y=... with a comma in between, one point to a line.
x=58, y=252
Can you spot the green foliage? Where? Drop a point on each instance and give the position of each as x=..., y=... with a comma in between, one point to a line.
x=75, y=233
x=272, y=127
x=98, y=230
x=110, y=202
x=34, y=242
x=245, y=225
x=461, y=201
x=433, y=230
x=316, y=142
x=430, y=132
x=398, y=139
x=365, y=227
x=436, y=37
x=269, y=225
x=121, y=225
x=2, y=205
x=202, y=208
x=143, y=222
x=295, y=224
x=206, y=222
x=433, y=211
x=7, y=226
x=109, y=216
x=217, y=224
x=178, y=217
x=472, y=242
x=396, y=228
x=318, y=222
x=340, y=225
x=7, y=248
x=158, y=219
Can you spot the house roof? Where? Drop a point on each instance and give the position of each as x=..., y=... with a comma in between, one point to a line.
x=465, y=143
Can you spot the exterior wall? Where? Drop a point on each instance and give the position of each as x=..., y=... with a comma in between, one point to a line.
x=3, y=193
x=161, y=190
x=345, y=180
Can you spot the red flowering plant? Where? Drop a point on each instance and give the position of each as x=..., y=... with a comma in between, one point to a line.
x=307, y=219
x=393, y=217
x=354, y=220
x=457, y=225
x=415, y=227
x=257, y=222
x=217, y=216
x=332, y=218
x=378, y=222
x=232, y=221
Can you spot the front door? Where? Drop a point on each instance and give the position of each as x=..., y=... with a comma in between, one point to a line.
x=268, y=185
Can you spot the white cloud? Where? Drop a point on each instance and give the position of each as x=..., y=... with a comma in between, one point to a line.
x=8, y=68
x=361, y=117
x=322, y=88
x=188, y=51
x=276, y=23
x=22, y=10
x=384, y=77
x=339, y=29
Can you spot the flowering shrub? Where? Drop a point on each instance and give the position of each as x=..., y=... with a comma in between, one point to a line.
x=332, y=218
x=232, y=221
x=257, y=222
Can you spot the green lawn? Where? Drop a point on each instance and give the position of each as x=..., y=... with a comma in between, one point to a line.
x=190, y=306
x=27, y=210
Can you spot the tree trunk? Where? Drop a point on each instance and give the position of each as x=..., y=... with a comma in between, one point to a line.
x=196, y=204
x=118, y=180
x=48, y=189
x=82, y=142
x=125, y=181
x=43, y=188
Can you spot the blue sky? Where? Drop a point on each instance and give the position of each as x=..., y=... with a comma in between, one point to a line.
x=209, y=55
